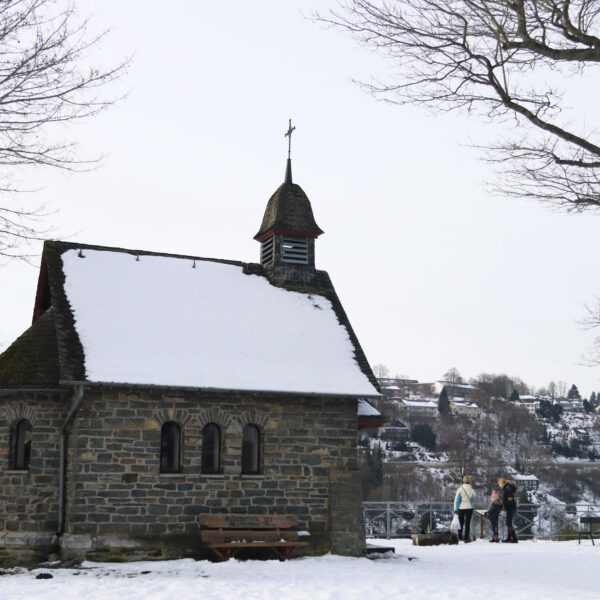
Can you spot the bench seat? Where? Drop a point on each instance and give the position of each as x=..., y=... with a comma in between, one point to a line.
x=225, y=537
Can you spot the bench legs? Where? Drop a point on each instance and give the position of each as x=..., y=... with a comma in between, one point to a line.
x=282, y=552
x=586, y=533
x=285, y=552
x=225, y=553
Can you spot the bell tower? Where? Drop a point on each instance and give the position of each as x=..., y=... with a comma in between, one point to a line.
x=288, y=231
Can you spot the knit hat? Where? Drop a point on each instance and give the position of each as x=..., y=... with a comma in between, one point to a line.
x=466, y=479
x=494, y=494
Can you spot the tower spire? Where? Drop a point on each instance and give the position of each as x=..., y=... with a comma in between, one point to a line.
x=288, y=168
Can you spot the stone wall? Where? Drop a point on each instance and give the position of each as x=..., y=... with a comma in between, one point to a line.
x=119, y=499
x=29, y=498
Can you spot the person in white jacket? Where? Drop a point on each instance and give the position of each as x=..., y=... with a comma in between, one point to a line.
x=463, y=505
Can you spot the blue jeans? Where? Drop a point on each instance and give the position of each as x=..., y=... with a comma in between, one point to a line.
x=510, y=515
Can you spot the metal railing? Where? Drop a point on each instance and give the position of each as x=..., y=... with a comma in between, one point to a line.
x=532, y=521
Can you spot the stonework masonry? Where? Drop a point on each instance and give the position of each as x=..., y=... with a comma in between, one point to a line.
x=29, y=498
x=119, y=502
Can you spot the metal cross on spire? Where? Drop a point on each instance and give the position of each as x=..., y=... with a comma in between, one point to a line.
x=288, y=134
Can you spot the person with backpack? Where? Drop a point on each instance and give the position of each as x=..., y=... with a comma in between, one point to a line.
x=463, y=505
x=509, y=504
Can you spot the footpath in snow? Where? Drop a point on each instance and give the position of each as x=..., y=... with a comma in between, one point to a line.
x=528, y=570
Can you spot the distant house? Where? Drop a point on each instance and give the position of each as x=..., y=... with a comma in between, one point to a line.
x=526, y=481
x=464, y=408
x=454, y=390
x=531, y=403
x=396, y=431
x=393, y=388
x=580, y=435
x=569, y=405
x=420, y=408
x=391, y=391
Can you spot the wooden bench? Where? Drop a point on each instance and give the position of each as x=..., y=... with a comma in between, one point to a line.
x=226, y=535
x=591, y=520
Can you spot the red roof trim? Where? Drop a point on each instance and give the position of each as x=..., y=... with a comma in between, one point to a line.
x=270, y=232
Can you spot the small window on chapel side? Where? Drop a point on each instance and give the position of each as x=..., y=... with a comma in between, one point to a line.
x=211, y=449
x=21, y=446
x=170, y=448
x=251, y=450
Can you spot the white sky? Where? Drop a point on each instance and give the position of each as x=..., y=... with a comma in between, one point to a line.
x=433, y=271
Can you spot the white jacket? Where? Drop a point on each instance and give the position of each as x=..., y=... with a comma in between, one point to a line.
x=464, y=497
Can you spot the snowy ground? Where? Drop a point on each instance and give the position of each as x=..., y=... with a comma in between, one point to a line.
x=529, y=570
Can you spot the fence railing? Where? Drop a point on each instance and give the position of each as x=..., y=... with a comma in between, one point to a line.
x=532, y=521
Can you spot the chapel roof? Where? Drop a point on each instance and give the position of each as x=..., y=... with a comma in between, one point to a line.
x=130, y=317
x=32, y=359
x=289, y=211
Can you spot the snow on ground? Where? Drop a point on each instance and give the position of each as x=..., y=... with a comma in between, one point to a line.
x=527, y=571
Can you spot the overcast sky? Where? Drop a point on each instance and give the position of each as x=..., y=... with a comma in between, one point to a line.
x=433, y=271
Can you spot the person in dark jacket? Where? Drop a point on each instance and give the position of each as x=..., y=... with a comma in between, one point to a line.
x=493, y=513
x=509, y=504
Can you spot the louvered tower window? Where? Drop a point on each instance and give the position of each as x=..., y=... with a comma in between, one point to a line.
x=266, y=251
x=294, y=250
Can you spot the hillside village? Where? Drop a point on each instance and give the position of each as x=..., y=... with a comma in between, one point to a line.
x=431, y=433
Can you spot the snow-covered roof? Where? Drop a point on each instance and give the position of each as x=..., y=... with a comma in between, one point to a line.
x=366, y=409
x=462, y=386
x=580, y=430
x=461, y=402
x=420, y=403
x=524, y=477
x=174, y=321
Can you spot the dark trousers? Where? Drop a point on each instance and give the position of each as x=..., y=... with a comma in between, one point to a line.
x=464, y=518
x=494, y=524
x=510, y=515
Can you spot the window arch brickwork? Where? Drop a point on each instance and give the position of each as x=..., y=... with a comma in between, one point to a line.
x=213, y=415
x=17, y=411
x=254, y=416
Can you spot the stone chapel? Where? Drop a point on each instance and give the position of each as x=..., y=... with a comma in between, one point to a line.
x=154, y=387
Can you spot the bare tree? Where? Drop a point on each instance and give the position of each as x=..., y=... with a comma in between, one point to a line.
x=45, y=81
x=452, y=377
x=591, y=320
x=381, y=371
x=495, y=58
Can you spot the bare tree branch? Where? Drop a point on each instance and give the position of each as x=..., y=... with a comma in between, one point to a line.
x=484, y=56
x=45, y=81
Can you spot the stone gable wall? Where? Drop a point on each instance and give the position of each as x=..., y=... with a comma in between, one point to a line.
x=29, y=499
x=116, y=492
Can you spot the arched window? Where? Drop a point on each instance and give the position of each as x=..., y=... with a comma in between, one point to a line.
x=21, y=445
x=211, y=448
x=170, y=448
x=251, y=450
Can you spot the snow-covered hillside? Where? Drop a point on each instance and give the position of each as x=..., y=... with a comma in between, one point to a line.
x=527, y=571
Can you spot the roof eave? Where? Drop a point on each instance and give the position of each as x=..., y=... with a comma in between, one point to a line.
x=151, y=386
